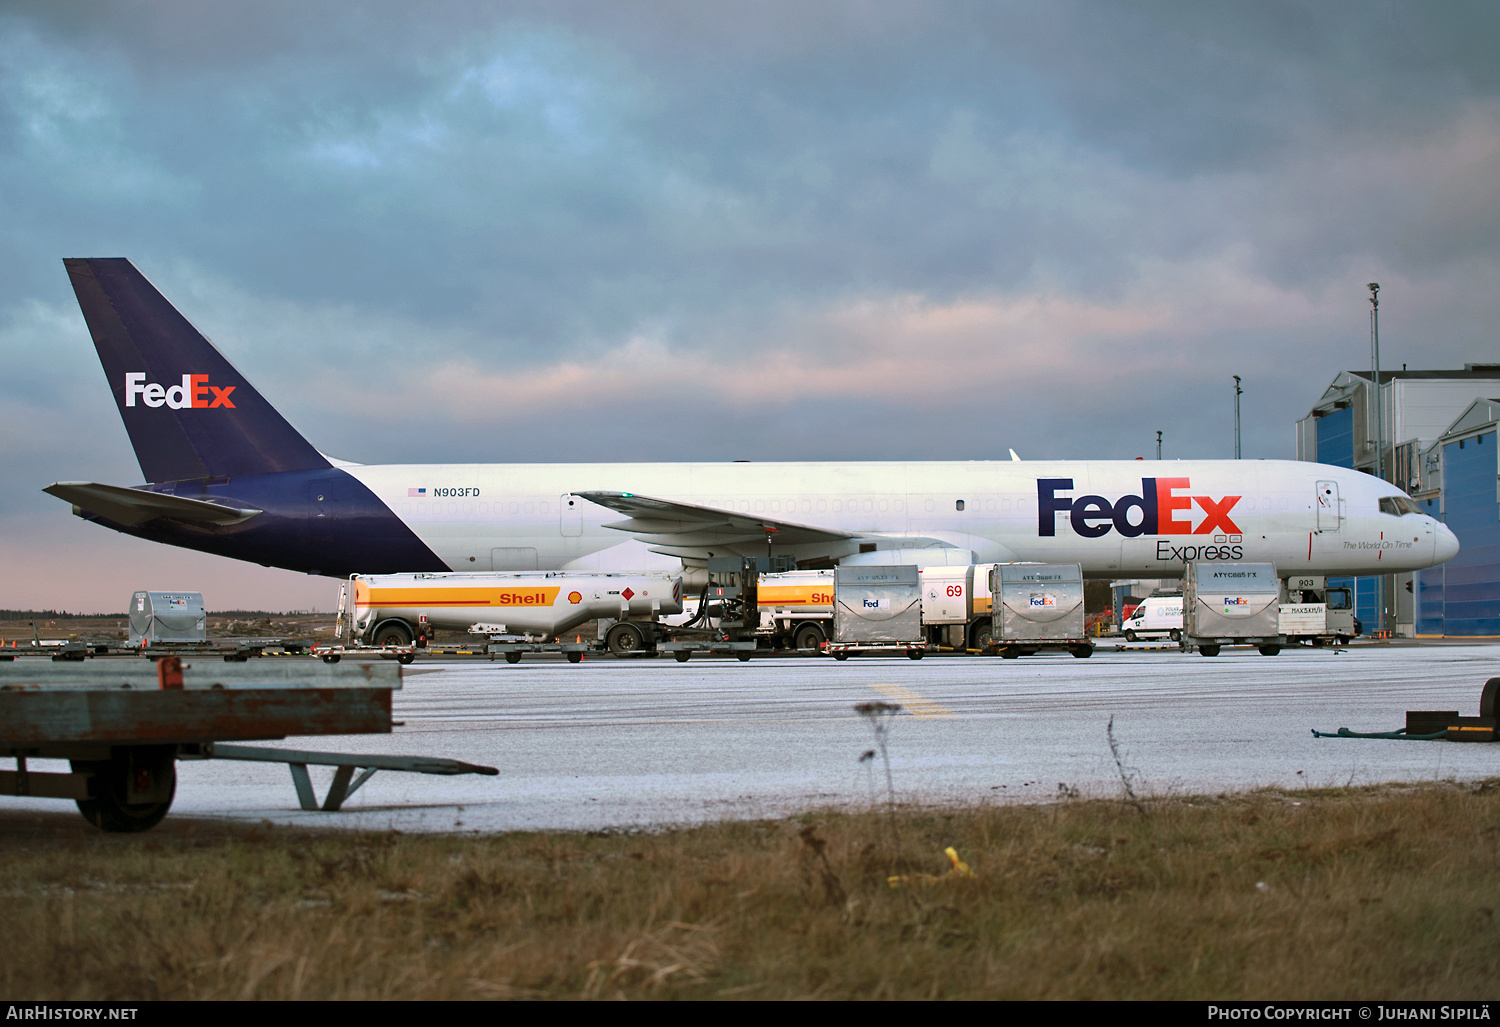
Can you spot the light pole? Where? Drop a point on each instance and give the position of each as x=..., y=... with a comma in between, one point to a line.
x=1158, y=445
x=1374, y=288
x=1388, y=581
x=1237, y=392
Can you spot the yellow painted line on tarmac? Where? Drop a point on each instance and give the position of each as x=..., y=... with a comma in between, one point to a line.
x=917, y=705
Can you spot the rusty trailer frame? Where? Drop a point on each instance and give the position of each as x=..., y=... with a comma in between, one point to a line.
x=123, y=725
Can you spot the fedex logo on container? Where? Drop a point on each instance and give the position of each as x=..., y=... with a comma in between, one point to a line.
x=1159, y=506
x=1236, y=601
x=1042, y=601
x=193, y=393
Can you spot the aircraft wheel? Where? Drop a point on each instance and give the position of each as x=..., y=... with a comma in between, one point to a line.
x=1130, y=636
x=625, y=639
x=1208, y=650
x=332, y=658
x=809, y=636
x=575, y=657
x=108, y=807
x=1270, y=650
x=1175, y=635
x=683, y=655
x=512, y=657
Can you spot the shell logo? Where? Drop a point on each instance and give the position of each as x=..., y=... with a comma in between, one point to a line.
x=575, y=598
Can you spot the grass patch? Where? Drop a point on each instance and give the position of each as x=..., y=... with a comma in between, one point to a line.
x=1386, y=892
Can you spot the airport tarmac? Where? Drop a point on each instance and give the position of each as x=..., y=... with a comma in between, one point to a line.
x=639, y=743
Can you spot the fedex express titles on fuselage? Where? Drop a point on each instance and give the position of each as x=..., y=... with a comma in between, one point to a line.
x=228, y=474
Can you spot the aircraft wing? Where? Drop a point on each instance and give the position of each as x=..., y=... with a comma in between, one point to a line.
x=137, y=506
x=663, y=522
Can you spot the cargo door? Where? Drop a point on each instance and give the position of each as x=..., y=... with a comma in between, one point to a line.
x=570, y=516
x=1328, y=506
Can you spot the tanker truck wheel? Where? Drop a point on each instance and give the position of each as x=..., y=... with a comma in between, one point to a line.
x=625, y=639
x=393, y=634
x=808, y=636
x=980, y=636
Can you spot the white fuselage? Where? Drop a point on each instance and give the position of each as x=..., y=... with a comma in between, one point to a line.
x=1304, y=517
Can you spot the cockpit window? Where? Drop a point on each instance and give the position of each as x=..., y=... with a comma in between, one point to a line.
x=1398, y=506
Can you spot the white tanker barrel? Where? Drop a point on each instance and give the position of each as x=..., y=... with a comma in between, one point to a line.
x=540, y=604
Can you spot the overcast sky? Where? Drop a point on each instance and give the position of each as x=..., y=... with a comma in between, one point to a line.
x=695, y=231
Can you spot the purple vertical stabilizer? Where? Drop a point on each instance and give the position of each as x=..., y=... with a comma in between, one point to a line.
x=189, y=413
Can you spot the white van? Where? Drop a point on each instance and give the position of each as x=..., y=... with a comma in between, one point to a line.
x=1156, y=617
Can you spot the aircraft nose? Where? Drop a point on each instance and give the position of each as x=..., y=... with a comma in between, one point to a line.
x=1446, y=547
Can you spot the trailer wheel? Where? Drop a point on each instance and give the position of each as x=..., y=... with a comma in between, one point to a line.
x=575, y=657
x=625, y=639
x=913, y=654
x=332, y=658
x=1175, y=635
x=743, y=656
x=1208, y=650
x=1082, y=652
x=809, y=636
x=1130, y=635
x=108, y=807
x=840, y=656
x=683, y=655
x=1489, y=697
x=1270, y=650
x=1010, y=652
x=512, y=657
x=407, y=658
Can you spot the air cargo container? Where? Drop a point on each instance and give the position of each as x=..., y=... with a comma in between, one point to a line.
x=1036, y=607
x=877, y=609
x=1231, y=604
x=387, y=610
x=797, y=607
x=167, y=617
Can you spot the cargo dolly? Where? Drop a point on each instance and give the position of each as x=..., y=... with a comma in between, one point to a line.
x=123, y=725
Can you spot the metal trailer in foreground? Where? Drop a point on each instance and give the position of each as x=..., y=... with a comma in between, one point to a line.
x=124, y=725
x=877, y=609
x=1231, y=604
x=1036, y=607
x=232, y=650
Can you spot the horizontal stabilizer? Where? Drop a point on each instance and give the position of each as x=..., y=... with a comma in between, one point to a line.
x=133, y=507
x=664, y=522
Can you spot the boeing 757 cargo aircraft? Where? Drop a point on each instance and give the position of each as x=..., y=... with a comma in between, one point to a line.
x=227, y=474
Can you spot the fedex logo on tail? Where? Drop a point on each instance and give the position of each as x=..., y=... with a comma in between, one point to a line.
x=194, y=392
x=1158, y=510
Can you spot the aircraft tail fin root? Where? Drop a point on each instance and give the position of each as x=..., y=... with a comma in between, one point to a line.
x=189, y=413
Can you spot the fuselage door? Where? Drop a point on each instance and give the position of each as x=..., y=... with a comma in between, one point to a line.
x=1328, y=506
x=570, y=515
